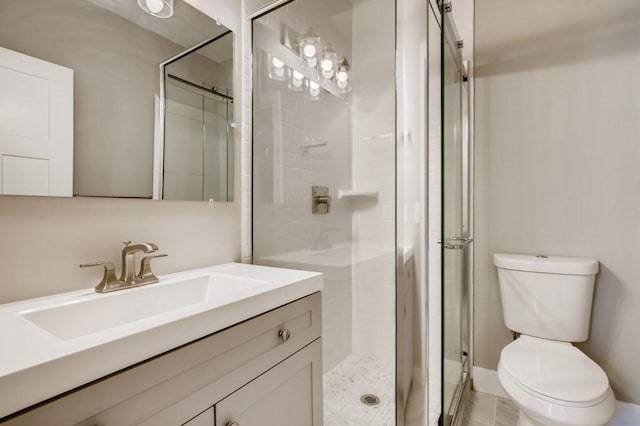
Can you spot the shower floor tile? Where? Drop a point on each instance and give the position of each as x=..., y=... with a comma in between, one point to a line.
x=348, y=381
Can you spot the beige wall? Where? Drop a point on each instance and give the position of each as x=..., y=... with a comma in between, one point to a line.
x=44, y=239
x=557, y=140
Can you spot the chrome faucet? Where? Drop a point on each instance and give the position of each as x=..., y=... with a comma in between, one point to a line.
x=128, y=277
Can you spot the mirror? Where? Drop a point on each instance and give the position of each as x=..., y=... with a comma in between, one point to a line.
x=198, y=123
x=83, y=84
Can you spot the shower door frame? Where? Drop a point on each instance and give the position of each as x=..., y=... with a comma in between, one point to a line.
x=449, y=31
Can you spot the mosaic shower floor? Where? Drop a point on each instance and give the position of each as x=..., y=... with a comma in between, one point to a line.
x=347, y=382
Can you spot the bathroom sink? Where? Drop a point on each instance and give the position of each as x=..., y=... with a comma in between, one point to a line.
x=69, y=320
x=57, y=343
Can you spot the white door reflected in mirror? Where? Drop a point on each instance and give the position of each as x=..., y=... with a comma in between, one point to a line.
x=36, y=126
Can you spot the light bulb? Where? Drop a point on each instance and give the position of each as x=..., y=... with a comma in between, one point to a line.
x=277, y=69
x=314, y=89
x=309, y=50
x=326, y=65
x=296, y=80
x=154, y=6
x=342, y=76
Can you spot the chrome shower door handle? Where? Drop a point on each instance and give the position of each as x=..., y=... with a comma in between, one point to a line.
x=456, y=243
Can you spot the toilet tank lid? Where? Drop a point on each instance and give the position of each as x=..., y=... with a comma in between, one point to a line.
x=546, y=264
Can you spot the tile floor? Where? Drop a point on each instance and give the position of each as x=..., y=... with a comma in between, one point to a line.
x=489, y=410
x=347, y=382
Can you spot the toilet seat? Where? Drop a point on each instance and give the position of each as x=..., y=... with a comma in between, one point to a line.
x=556, y=372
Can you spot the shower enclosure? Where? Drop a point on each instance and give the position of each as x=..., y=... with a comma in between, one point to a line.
x=324, y=184
x=357, y=122
x=197, y=146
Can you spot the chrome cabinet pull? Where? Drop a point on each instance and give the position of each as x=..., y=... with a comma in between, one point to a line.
x=456, y=243
x=284, y=334
x=233, y=424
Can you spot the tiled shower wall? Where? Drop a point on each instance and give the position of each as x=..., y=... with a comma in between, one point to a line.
x=373, y=139
x=285, y=120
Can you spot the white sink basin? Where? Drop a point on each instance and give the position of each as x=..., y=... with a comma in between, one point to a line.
x=54, y=344
x=86, y=316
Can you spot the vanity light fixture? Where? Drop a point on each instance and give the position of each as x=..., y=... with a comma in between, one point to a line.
x=296, y=80
x=314, y=91
x=328, y=61
x=309, y=47
x=157, y=8
x=342, y=75
x=277, y=69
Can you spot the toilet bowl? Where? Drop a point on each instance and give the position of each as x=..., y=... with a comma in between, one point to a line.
x=555, y=384
x=548, y=301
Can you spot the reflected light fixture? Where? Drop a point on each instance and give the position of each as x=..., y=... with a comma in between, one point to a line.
x=157, y=8
x=296, y=80
x=314, y=93
x=309, y=47
x=342, y=75
x=328, y=61
x=276, y=69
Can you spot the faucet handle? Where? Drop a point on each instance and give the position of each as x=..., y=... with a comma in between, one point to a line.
x=109, y=280
x=145, y=273
x=108, y=266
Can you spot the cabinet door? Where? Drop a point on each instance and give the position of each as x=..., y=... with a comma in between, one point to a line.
x=290, y=393
x=206, y=418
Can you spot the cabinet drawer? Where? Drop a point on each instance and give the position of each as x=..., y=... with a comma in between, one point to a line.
x=175, y=386
x=289, y=393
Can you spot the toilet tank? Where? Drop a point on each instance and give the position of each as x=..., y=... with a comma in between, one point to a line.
x=547, y=297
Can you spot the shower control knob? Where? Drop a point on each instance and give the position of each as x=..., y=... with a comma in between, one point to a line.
x=284, y=334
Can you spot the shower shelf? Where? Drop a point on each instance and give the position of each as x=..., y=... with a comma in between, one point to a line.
x=350, y=193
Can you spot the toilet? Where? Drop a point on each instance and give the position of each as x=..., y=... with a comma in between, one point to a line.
x=547, y=300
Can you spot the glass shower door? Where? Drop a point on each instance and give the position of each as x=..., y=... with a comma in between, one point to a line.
x=322, y=142
x=218, y=149
x=455, y=239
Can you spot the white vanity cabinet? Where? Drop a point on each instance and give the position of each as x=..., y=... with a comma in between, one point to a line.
x=264, y=371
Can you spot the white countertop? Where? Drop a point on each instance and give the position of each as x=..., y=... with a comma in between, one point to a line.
x=36, y=364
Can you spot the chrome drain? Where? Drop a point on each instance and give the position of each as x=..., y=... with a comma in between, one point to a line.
x=370, y=399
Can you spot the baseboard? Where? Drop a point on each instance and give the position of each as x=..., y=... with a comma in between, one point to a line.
x=486, y=381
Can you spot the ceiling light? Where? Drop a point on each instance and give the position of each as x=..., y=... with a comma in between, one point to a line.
x=157, y=8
